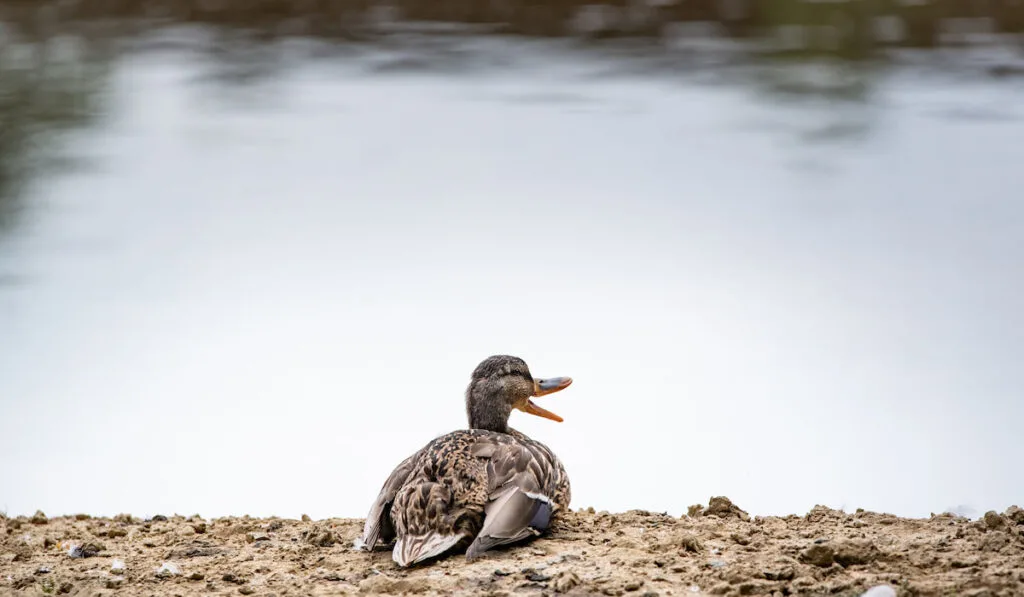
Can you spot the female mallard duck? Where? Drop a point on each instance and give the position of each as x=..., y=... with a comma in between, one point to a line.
x=483, y=487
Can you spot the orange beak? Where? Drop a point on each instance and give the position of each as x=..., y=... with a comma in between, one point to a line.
x=542, y=387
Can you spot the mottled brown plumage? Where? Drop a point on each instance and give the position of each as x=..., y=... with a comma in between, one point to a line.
x=478, y=488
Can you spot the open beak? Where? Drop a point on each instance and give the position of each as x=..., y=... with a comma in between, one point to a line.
x=542, y=387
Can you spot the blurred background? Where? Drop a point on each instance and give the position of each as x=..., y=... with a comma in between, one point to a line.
x=251, y=250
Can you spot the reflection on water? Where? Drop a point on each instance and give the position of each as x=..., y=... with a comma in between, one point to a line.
x=47, y=85
x=764, y=238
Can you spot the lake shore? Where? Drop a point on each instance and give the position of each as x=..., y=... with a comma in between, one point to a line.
x=715, y=550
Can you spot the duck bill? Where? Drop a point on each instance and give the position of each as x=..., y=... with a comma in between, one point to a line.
x=543, y=387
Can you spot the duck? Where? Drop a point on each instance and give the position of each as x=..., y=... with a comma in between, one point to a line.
x=477, y=488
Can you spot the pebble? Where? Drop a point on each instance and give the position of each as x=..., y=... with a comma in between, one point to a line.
x=115, y=582
x=196, y=576
x=168, y=569
x=818, y=555
x=723, y=507
x=39, y=518
x=565, y=581
x=117, y=567
x=690, y=542
x=306, y=518
x=84, y=551
x=879, y=591
x=320, y=536
x=159, y=518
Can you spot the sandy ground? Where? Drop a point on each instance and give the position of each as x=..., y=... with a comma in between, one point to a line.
x=716, y=550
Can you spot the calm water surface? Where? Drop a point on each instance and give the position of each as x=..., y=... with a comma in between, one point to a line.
x=253, y=281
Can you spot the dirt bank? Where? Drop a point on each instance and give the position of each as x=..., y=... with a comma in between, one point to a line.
x=717, y=550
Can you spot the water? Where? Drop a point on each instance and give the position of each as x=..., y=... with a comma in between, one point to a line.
x=252, y=277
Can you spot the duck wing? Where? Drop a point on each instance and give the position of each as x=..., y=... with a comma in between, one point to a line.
x=526, y=486
x=378, y=526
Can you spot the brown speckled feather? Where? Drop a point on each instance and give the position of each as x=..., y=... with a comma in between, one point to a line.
x=473, y=488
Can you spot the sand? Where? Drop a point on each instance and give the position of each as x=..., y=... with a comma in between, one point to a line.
x=715, y=550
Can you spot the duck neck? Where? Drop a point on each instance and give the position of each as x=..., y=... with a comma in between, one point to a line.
x=487, y=411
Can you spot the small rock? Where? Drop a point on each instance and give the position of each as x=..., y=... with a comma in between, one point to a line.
x=43, y=570
x=1014, y=514
x=818, y=555
x=690, y=542
x=533, y=575
x=48, y=543
x=633, y=585
x=65, y=588
x=196, y=576
x=500, y=572
x=740, y=539
x=246, y=590
x=82, y=517
x=993, y=521
x=116, y=532
x=855, y=553
x=717, y=563
x=115, y=582
x=234, y=579
x=116, y=567
x=820, y=513
x=722, y=507
x=168, y=569
x=565, y=581
x=306, y=518
x=124, y=518
x=159, y=518
x=88, y=550
x=39, y=518
x=879, y=591
x=319, y=535
x=782, y=572
x=969, y=562
x=695, y=510
x=199, y=528
x=255, y=537
x=275, y=526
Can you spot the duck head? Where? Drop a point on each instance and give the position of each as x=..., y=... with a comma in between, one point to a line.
x=502, y=383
